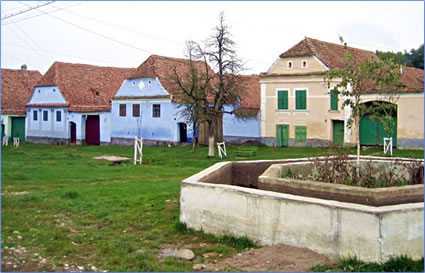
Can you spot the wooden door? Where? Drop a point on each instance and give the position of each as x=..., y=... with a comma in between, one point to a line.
x=92, y=130
x=282, y=135
x=338, y=132
x=73, y=129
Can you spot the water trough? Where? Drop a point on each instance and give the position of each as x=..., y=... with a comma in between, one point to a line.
x=227, y=198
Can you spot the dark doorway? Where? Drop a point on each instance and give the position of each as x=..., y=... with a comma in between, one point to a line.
x=183, y=132
x=92, y=130
x=2, y=131
x=73, y=129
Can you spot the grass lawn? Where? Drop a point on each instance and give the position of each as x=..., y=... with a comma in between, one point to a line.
x=80, y=211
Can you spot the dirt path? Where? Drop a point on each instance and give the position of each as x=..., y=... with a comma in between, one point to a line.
x=278, y=258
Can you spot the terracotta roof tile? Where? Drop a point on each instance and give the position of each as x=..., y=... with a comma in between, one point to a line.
x=163, y=68
x=332, y=55
x=16, y=88
x=85, y=87
x=250, y=96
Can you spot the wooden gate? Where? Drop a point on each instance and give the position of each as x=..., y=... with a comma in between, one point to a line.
x=372, y=132
x=203, y=131
x=18, y=127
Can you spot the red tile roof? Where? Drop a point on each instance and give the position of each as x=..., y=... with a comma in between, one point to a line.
x=413, y=79
x=86, y=88
x=163, y=68
x=332, y=55
x=250, y=95
x=16, y=88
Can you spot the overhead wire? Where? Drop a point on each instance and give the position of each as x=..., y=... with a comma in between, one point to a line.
x=95, y=33
x=24, y=11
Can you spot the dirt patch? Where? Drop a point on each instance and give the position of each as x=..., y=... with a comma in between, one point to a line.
x=278, y=258
x=14, y=193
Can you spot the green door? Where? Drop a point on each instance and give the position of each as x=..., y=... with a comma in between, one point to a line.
x=372, y=132
x=338, y=132
x=282, y=135
x=18, y=127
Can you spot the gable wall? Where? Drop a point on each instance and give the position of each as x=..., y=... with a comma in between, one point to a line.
x=46, y=94
x=281, y=65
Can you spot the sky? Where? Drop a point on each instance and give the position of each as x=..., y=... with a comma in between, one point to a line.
x=125, y=34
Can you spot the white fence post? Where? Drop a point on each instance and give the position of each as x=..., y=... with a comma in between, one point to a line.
x=221, y=149
x=138, y=152
x=388, y=145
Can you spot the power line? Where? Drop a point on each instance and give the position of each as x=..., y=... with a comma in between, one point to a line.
x=36, y=45
x=29, y=9
x=95, y=33
x=122, y=28
x=37, y=15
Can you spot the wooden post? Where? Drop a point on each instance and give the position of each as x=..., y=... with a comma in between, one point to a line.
x=138, y=152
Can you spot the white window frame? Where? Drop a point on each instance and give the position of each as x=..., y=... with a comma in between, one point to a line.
x=306, y=64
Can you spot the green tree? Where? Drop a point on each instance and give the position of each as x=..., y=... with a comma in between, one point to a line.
x=414, y=58
x=358, y=78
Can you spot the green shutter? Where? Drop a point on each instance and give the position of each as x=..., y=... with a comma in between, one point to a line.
x=282, y=100
x=334, y=100
x=300, y=133
x=301, y=99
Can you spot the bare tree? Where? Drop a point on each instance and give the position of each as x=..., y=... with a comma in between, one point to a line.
x=221, y=53
x=204, y=92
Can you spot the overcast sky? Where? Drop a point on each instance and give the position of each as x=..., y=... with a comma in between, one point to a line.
x=124, y=34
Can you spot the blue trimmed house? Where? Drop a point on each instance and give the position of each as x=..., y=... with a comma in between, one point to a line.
x=71, y=104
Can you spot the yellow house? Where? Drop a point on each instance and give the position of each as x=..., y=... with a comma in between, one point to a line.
x=297, y=108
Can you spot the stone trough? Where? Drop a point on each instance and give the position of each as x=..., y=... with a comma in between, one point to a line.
x=227, y=198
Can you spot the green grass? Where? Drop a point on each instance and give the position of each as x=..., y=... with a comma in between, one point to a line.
x=80, y=210
x=394, y=264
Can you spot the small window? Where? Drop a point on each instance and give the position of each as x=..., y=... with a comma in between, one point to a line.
x=156, y=110
x=54, y=90
x=45, y=115
x=334, y=100
x=34, y=115
x=133, y=83
x=304, y=64
x=282, y=99
x=149, y=82
x=290, y=65
x=300, y=133
x=58, y=116
x=136, y=110
x=122, y=110
x=96, y=93
x=301, y=99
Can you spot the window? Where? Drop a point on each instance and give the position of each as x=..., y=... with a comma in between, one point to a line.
x=45, y=115
x=156, y=110
x=136, y=110
x=58, y=116
x=304, y=64
x=300, y=133
x=122, y=110
x=334, y=100
x=289, y=65
x=282, y=99
x=34, y=115
x=301, y=99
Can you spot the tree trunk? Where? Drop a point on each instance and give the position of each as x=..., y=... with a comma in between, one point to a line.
x=211, y=138
x=357, y=125
x=194, y=137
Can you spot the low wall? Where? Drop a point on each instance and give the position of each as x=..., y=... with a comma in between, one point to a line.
x=333, y=228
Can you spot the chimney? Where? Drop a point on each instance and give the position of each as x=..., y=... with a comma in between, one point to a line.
x=24, y=69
